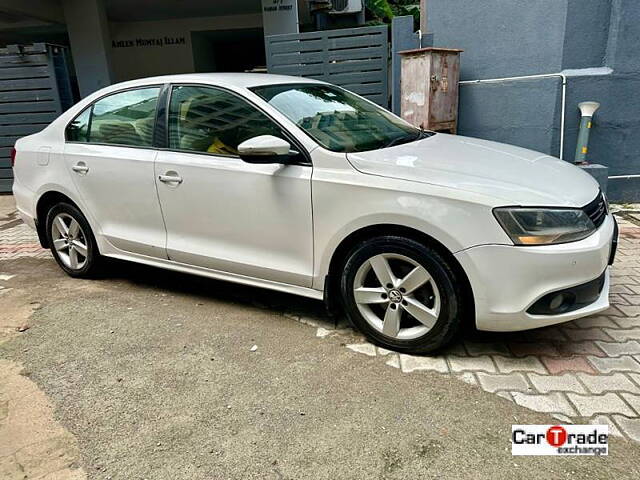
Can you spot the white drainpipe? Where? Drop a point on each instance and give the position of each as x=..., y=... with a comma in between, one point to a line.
x=533, y=77
x=563, y=75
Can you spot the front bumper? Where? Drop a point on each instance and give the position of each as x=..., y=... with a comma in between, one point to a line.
x=507, y=280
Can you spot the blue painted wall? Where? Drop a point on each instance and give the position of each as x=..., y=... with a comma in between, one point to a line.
x=506, y=38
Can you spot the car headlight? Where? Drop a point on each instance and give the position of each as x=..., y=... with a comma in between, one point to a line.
x=544, y=226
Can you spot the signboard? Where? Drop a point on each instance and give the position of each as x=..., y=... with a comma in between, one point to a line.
x=279, y=16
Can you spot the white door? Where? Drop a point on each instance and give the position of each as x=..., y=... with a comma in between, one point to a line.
x=109, y=156
x=222, y=213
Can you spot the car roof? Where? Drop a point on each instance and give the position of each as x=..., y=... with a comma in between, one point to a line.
x=243, y=80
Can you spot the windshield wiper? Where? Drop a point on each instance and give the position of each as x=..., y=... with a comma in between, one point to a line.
x=408, y=138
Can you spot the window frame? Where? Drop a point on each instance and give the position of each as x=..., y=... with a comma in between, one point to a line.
x=159, y=86
x=163, y=132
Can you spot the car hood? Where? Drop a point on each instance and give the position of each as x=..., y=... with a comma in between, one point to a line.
x=511, y=175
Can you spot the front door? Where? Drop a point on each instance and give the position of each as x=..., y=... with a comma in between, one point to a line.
x=109, y=156
x=222, y=213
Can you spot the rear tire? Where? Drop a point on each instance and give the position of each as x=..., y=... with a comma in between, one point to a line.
x=401, y=294
x=71, y=241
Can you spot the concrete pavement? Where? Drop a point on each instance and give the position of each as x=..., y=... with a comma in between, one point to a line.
x=151, y=374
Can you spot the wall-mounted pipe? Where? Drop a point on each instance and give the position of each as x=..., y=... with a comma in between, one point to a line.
x=534, y=77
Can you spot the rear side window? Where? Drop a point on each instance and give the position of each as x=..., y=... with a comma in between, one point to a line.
x=78, y=129
x=125, y=118
x=205, y=119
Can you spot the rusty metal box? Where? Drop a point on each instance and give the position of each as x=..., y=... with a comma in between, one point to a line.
x=429, y=88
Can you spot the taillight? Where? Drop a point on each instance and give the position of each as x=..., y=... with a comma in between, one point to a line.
x=13, y=156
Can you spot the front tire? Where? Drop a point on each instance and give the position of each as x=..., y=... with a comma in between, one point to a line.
x=71, y=241
x=401, y=294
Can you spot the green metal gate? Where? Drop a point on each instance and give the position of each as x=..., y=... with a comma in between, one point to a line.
x=35, y=88
x=354, y=58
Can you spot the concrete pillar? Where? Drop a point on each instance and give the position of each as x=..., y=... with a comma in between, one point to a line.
x=90, y=43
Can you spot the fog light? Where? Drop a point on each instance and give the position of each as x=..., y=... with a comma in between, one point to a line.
x=556, y=302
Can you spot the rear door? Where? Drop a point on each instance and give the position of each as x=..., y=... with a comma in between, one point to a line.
x=109, y=154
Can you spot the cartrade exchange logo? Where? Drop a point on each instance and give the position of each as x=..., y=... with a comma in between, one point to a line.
x=560, y=440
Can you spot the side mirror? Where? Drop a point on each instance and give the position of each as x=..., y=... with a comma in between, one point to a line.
x=265, y=149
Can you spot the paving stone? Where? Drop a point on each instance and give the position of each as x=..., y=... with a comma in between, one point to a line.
x=550, y=403
x=630, y=310
x=608, y=383
x=631, y=299
x=467, y=377
x=562, y=418
x=538, y=348
x=630, y=426
x=612, y=311
x=568, y=349
x=635, y=377
x=580, y=334
x=591, y=322
x=615, y=364
x=525, y=364
x=627, y=322
x=394, y=361
x=618, y=299
x=563, y=364
x=478, y=348
x=626, y=334
x=493, y=383
x=473, y=364
x=617, y=289
x=618, y=349
x=589, y=405
x=410, y=363
x=633, y=400
x=365, y=348
x=548, y=333
x=561, y=383
x=604, y=420
x=622, y=280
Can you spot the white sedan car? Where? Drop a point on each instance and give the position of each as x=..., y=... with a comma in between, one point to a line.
x=303, y=187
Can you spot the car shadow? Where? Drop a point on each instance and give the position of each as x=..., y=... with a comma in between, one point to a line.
x=205, y=288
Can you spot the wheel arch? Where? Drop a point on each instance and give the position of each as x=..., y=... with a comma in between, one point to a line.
x=44, y=204
x=339, y=257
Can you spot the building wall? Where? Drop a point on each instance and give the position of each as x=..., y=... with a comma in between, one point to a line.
x=585, y=38
x=141, y=49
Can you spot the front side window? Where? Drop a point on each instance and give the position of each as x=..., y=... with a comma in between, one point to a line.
x=338, y=120
x=205, y=119
x=125, y=118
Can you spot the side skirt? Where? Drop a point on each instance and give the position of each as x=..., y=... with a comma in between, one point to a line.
x=218, y=275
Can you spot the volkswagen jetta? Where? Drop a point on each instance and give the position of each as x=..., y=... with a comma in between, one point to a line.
x=300, y=186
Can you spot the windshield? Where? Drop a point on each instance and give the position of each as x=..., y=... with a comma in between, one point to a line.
x=338, y=120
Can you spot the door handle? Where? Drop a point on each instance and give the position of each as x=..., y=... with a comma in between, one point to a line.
x=80, y=168
x=170, y=179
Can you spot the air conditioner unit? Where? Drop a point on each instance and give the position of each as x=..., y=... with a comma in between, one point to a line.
x=341, y=7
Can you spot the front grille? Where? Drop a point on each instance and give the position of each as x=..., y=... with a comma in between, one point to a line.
x=596, y=210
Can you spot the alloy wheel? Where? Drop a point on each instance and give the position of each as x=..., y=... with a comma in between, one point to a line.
x=397, y=296
x=69, y=241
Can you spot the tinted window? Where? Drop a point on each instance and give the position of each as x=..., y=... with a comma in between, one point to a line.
x=337, y=119
x=125, y=118
x=204, y=119
x=78, y=129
